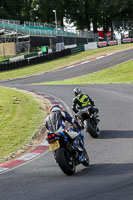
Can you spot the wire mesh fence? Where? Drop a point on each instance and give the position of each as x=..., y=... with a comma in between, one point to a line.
x=43, y=31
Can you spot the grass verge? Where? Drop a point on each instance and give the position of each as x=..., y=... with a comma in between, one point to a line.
x=122, y=73
x=21, y=116
x=59, y=63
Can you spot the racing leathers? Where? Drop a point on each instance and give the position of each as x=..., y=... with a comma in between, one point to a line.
x=81, y=101
x=55, y=122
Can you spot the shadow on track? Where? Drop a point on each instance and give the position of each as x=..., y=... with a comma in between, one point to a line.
x=110, y=134
x=108, y=169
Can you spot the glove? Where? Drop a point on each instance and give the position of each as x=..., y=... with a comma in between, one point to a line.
x=74, y=110
x=93, y=104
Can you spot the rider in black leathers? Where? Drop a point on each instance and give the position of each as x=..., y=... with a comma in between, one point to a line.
x=81, y=101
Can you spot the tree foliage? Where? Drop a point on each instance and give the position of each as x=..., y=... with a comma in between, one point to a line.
x=83, y=13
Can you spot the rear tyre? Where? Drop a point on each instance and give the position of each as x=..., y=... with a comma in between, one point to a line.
x=92, y=130
x=65, y=161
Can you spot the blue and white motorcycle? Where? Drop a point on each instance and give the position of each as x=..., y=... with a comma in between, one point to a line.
x=68, y=151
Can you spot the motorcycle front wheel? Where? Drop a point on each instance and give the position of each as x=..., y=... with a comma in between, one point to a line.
x=65, y=161
x=86, y=159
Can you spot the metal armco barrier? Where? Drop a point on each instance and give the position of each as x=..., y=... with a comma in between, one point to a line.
x=111, y=43
x=77, y=49
x=126, y=40
x=35, y=60
x=102, y=44
x=4, y=61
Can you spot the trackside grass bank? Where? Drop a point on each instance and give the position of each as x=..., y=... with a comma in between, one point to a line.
x=62, y=62
x=122, y=73
x=21, y=117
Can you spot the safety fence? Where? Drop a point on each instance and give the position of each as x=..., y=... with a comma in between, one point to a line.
x=78, y=49
x=114, y=42
x=23, y=57
x=9, y=21
x=39, y=57
x=34, y=60
x=107, y=43
x=44, y=31
x=73, y=49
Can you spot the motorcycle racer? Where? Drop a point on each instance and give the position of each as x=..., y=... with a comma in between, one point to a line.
x=56, y=121
x=81, y=101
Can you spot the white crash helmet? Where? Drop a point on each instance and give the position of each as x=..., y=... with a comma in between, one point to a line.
x=77, y=91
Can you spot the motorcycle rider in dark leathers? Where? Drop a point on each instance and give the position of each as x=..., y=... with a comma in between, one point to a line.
x=81, y=101
x=56, y=120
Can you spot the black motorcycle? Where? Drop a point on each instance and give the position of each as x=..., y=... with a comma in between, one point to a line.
x=89, y=121
x=67, y=157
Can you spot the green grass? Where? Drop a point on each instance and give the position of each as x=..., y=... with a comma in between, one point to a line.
x=20, y=118
x=59, y=63
x=122, y=73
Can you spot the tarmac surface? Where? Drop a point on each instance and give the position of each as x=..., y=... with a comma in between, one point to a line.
x=110, y=174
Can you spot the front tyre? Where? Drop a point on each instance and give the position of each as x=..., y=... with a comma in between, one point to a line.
x=86, y=159
x=65, y=161
x=91, y=129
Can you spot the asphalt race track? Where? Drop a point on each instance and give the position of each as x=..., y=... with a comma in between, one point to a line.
x=87, y=68
x=110, y=174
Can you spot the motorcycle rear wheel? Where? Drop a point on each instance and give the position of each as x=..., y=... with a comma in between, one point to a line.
x=65, y=162
x=90, y=129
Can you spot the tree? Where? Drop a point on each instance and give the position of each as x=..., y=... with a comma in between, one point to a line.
x=60, y=7
x=11, y=9
x=3, y=12
x=84, y=14
x=79, y=13
x=28, y=10
x=44, y=10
